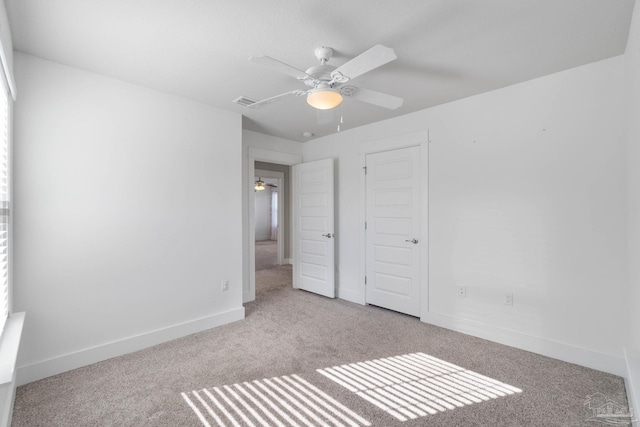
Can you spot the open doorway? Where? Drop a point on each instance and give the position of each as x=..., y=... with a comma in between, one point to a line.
x=263, y=158
x=271, y=223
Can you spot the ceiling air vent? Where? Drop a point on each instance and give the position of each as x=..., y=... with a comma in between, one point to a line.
x=244, y=101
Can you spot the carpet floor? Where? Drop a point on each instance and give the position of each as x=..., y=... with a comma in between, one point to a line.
x=266, y=254
x=270, y=362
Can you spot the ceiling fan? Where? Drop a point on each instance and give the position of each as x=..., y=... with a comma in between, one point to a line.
x=260, y=185
x=328, y=83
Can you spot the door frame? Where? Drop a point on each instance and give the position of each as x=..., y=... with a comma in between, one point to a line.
x=261, y=155
x=421, y=140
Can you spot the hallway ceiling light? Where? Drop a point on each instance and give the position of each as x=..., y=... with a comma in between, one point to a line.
x=259, y=185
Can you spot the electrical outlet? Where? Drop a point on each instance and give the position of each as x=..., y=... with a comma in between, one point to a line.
x=509, y=299
x=224, y=285
x=462, y=291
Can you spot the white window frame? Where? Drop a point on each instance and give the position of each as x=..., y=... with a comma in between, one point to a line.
x=5, y=258
x=11, y=331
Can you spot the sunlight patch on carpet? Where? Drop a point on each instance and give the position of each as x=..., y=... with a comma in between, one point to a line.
x=282, y=401
x=416, y=385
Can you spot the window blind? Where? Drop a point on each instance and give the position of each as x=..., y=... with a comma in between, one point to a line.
x=4, y=204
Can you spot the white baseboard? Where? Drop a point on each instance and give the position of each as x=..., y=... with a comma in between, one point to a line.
x=67, y=362
x=632, y=381
x=565, y=352
x=7, y=396
x=288, y=261
x=9, y=345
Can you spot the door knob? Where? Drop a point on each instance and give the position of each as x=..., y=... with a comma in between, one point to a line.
x=328, y=235
x=414, y=241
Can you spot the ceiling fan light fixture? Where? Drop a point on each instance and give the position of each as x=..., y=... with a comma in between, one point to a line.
x=259, y=185
x=324, y=99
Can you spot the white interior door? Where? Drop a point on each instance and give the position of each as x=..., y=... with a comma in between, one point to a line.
x=313, y=265
x=393, y=230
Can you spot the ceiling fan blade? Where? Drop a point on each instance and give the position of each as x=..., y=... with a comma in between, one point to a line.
x=276, y=98
x=280, y=66
x=377, y=98
x=324, y=116
x=366, y=61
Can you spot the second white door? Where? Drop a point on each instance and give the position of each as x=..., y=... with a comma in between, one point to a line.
x=393, y=230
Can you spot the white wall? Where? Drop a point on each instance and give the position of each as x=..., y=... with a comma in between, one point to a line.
x=268, y=142
x=127, y=216
x=632, y=348
x=527, y=192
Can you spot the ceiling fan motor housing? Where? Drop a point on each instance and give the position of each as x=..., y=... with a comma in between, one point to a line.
x=321, y=72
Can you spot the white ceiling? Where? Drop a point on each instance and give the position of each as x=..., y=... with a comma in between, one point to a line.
x=447, y=49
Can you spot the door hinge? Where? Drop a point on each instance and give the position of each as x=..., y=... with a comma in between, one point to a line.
x=365, y=280
x=365, y=225
x=365, y=169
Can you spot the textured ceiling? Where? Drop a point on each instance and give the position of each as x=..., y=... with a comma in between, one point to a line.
x=447, y=49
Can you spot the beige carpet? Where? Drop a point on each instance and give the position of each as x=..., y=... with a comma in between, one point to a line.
x=290, y=334
x=266, y=254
